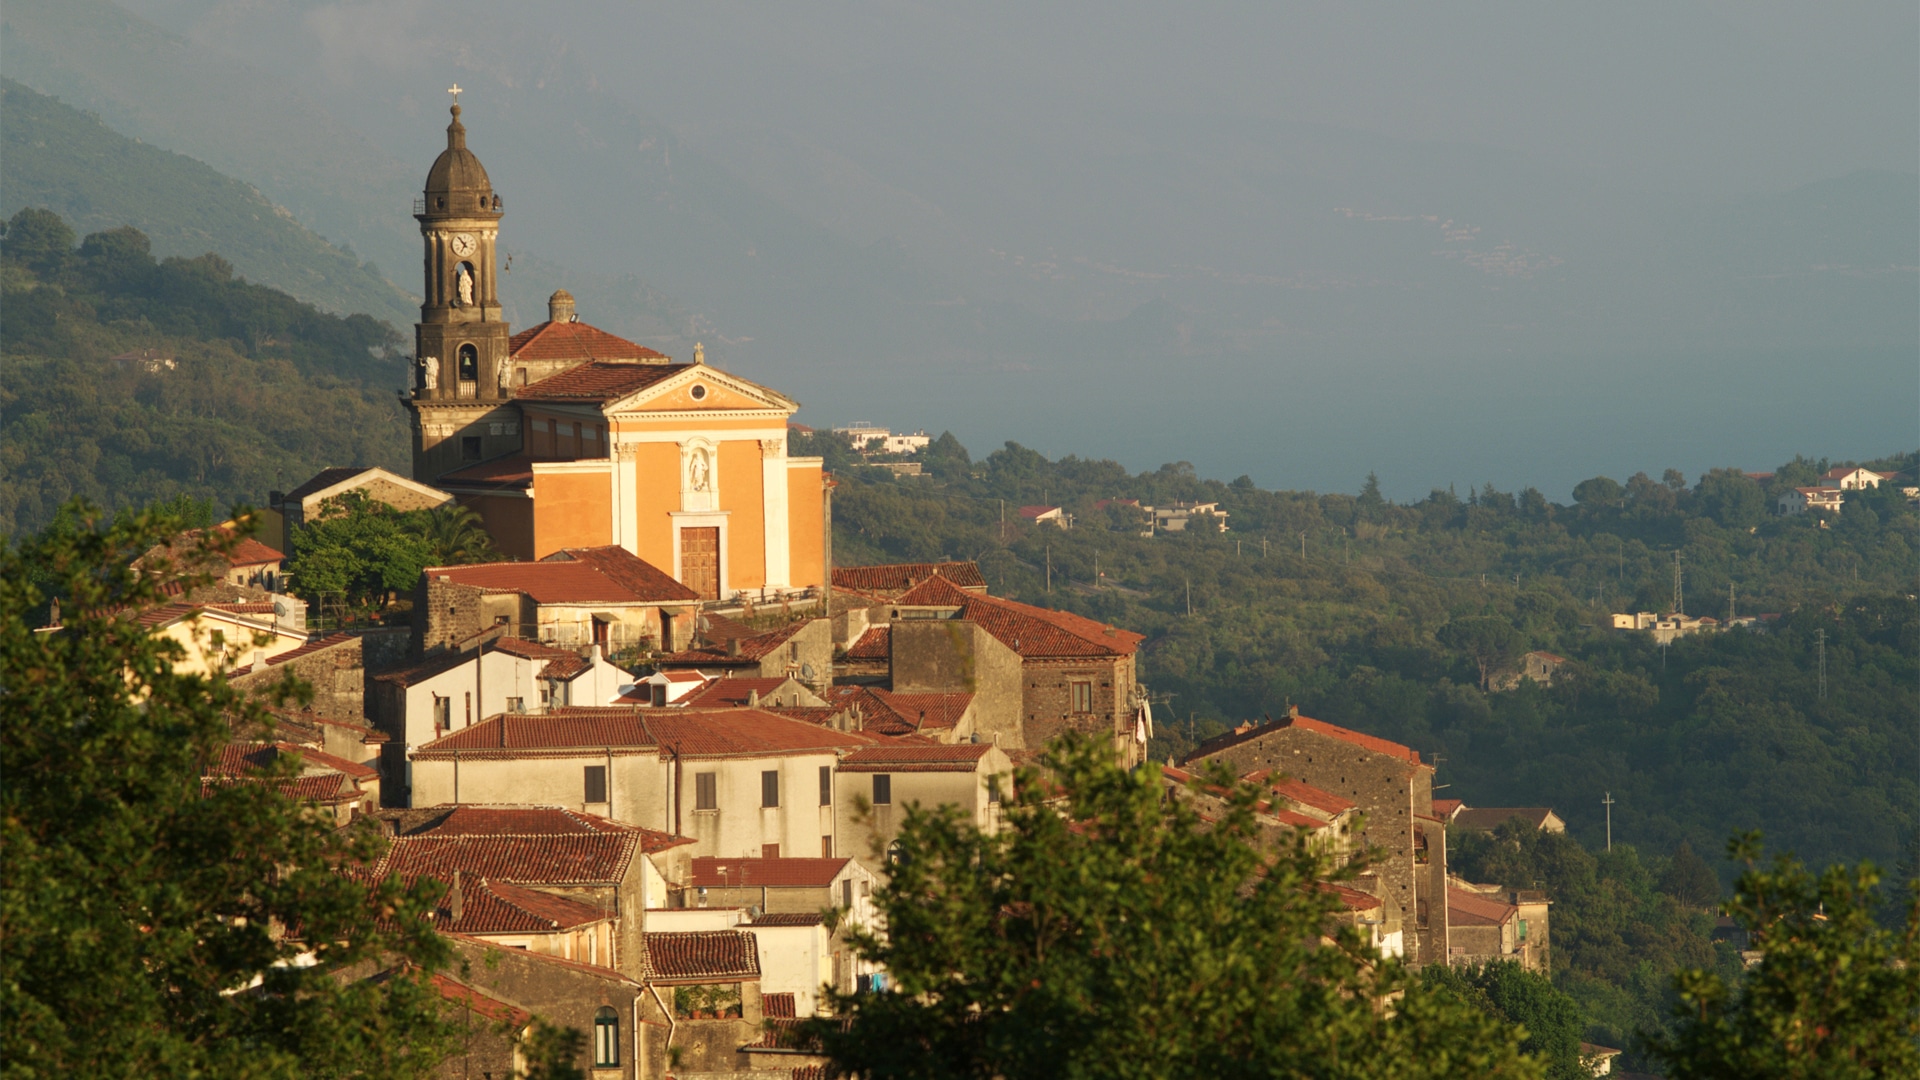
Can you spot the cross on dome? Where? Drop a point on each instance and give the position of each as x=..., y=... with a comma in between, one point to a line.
x=455, y=91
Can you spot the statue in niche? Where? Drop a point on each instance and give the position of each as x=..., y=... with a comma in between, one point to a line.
x=697, y=471
x=430, y=372
x=504, y=373
x=463, y=281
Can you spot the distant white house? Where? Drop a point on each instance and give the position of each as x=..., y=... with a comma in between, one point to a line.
x=1802, y=499
x=864, y=436
x=1177, y=517
x=1047, y=515
x=1850, y=478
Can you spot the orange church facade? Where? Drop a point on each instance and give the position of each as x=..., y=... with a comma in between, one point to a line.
x=566, y=436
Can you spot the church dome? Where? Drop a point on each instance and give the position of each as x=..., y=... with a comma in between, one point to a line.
x=458, y=175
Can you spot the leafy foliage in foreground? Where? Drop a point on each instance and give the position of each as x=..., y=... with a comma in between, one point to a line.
x=1110, y=932
x=265, y=390
x=1508, y=992
x=138, y=908
x=359, y=551
x=1835, y=995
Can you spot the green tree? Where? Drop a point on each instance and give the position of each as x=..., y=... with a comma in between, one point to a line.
x=147, y=919
x=1600, y=493
x=1689, y=879
x=359, y=549
x=1835, y=995
x=1110, y=932
x=455, y=535
x=1512, y=994
x=1730, y=498
x=1487, y=640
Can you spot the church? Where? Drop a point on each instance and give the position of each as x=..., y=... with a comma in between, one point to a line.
x=566, y=436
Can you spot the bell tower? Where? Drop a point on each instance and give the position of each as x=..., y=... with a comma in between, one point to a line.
x=462, y=375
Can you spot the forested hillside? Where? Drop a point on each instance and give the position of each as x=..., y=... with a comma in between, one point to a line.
x=59, y=158
x=263, y=391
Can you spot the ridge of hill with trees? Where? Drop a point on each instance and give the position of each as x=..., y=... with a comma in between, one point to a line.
x=263, y=391
x=60, y=158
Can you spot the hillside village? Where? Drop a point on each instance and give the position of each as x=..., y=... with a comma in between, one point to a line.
x=657, y=756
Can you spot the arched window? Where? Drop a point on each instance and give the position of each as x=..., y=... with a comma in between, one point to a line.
x=469, y=364
x=606, y=1037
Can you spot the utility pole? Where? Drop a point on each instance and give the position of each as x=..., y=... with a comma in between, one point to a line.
x=1820, y=637
x=1729, y=603
x=1263, y=547
x=1049, y=569
x=1236, y=549
x=1303, y=547
x=1189, y=597
x=1679, y=606
x=1003, y=522
x=1608, y=803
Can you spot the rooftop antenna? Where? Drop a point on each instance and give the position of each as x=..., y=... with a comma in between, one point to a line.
x=1608, y=803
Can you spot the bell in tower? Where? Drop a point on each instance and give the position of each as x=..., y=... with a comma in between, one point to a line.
x=463, y=375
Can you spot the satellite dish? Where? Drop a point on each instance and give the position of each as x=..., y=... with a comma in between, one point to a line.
x=701, y=624
x=806, y=671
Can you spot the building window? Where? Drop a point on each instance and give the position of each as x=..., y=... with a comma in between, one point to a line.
x=1523, y=929
x=606, y=1037
x=846, y=893
x=882, y=789
x=470, y=448
x=826, y=851
x=442, y=713
x=993, y=791
x=706, y=794
x=596, y=783
x=1420, y=851
x=1083, y=697
x=826, y=785
x=769, y=851
x=515, y=704
x=770, y=788
x=658, y=694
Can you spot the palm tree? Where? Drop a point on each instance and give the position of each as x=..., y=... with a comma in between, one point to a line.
x=455, y=534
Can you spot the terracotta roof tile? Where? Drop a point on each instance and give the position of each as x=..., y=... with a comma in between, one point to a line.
x=499, y=907
x=311, y=647
x=563, y=668
x=599, y=859
x=875, y=644
x=1351, y=899
x=1248, y=732
x=597, y=381
x=1308, y=795
x=529, y=650
x=510, y=471
x=1465, y=908
x=788, y=918
x=725, y=693
x=575, y=341
x=916, y=757
x=891, y=713
x=485, y=1004
x=777, y=1006
x=752, y=650
x=1032, y=632
x=709, y=872
x=627, y=570
x=703, y=956
x=895, y=578
x=1492, y=817
x=692, y=733
x=606, y=578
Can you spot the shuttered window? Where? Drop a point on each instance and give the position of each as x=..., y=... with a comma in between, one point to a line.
x=826, y=785
x=706, y=794
x=596, y=783
x=882, y=789
x=770, y=788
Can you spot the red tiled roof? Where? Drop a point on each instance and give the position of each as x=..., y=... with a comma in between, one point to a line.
x=167, y=614
x=875, y=644
x=703, y=956
x=598, y=382
x=528, y=650
x=1351, y=899
x=563, y=668
x=752, y=650
x=490, y=1007
x=1308, y=795
x=599, y=859
x=1444, y=808
x=499, y=907
x=1466, y=908
x=306, y=650
x=1032, y=632
x=895, y=578
x=572, y=582
x=251, y=552
x=575, y=341
x=691, y=733
x=627, y=570
x=778, y=1006
x=724, y=693
x=1492, y=817
x=916, y=757
x=545, y=821
x=902, y=714
x=239, y=759
x=511, y=471
x=788, y=918
x=1248, y=732
x=1036, y=511
x=709, y=872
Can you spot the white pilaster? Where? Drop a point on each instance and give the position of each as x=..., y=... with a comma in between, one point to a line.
x=773, y=480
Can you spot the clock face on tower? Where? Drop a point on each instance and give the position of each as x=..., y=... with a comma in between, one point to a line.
x=462, y=244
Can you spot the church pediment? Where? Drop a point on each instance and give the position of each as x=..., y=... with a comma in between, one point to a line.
x=702, y=389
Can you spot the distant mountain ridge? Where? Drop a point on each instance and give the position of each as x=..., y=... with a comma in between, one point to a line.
x=61, y=159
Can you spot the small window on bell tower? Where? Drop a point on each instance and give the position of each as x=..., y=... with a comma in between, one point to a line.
x=469, y=364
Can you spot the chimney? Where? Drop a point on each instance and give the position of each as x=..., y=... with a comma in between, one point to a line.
x=1293, y=710
x=753, y=699
x=733, y=646
x=560, y=307
x=456, y=903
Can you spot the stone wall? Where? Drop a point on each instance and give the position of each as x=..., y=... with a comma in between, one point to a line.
x=336, y=674
x=957, y=656
x=445, y=612
x=569, y=995
x=1047, y=698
